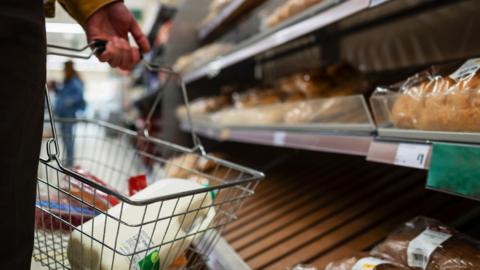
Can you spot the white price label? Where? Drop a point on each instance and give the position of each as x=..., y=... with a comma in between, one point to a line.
x=468, y=69
x=421, y=248
x=412, y=155
x=279, y=138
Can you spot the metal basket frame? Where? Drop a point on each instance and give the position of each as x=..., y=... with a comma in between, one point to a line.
x=244, y=183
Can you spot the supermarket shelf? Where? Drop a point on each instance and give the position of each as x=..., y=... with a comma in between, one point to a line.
x=410, y=134
x=228, y=15
x=332, y=12
x=314, y=141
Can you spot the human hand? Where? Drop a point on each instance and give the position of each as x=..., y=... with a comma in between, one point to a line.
x=113, y=23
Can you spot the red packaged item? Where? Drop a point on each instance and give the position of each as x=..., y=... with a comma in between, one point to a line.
x=136, y=183
x=89, y=194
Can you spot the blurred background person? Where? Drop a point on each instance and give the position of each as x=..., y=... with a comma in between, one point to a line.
x=69, y=101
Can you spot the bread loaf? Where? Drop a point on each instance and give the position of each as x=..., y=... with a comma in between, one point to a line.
x=364, y=261
x=439, y=104
x=403, y=246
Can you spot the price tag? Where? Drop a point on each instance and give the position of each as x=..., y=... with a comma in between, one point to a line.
x=467, y=70
x=412, y=155
x=377, y=2
x=279, y=138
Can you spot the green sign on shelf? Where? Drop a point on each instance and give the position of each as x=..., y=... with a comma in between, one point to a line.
x=455, y=169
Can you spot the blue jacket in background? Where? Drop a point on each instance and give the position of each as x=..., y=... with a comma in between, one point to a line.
x=69, y=98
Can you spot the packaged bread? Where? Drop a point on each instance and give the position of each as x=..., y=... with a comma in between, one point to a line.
x=288, y=9
x=257, y=97
x=364, y=261
x=438, y=99
x=263, y=115
x=340, y=79
x=205, y=105
x=186, y=165
x=214, y=9
x=201, y=56
x=424, y=243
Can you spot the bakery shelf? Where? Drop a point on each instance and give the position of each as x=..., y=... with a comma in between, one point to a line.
x=329, y=11
x=228, y=15
x=353, y=144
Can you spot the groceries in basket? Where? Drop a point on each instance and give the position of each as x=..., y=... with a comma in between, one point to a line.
x=424, y=243
x=88, y=194
x=442, y=98
x=56, y=211
x=364, y=261
x=187, y=165
x=136, y=183
x=144, y=237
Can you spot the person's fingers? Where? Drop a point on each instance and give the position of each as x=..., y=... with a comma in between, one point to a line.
x=116, y=58
x=126, y=61
x=135, y=57
x=107, y=55
x=139, y=37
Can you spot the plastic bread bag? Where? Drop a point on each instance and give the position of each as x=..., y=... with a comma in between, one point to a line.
x=257, y=97
x=424, y=243
x=335, y=110
x=263, y=115
x=364, y=261
x=204, y=105
x=288, y=9
x=201, y=56
x=442, y=98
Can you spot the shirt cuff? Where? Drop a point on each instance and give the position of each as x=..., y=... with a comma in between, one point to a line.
x=81, y=10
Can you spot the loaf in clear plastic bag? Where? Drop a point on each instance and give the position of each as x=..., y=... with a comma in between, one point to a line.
x=364, y=261
x=442, y=98
x=288, y=9
x=424, y=243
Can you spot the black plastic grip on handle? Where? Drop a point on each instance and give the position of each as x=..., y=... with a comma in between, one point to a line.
x=99, y=46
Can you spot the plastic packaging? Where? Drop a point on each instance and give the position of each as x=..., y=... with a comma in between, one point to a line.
x=264, y=115
x=336, y=110
x=170, y=227
x=289, y=9
x=364, y=261
x=89, y=194
x=63, y=206
x=424, y=243
x=257, y=97
x=215, y=8
x=442, y=98
x=201, y=56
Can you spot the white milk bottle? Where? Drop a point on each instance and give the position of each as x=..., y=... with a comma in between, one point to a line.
x=85, y=251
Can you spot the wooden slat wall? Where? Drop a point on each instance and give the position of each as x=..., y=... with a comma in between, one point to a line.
x=320, y=208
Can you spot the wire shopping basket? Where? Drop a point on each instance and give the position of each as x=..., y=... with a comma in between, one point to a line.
x=85, y=218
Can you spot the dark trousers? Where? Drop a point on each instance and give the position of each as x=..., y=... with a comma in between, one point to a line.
x=22, y=79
